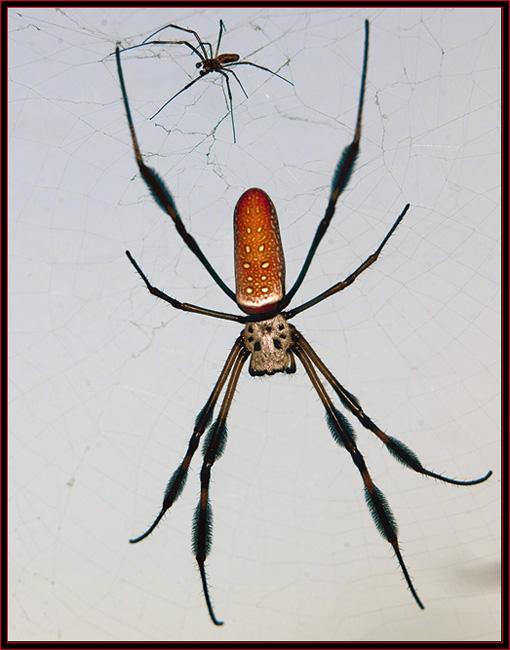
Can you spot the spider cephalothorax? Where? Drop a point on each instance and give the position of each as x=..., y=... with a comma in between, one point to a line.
x=272, y=342
x=269, y=342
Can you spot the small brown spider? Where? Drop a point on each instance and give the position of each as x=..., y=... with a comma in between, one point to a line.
x=209, y=62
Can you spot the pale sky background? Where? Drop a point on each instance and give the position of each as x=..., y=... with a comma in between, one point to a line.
x=106, y=381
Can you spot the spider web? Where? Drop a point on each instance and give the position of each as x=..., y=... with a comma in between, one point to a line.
x=105, y=382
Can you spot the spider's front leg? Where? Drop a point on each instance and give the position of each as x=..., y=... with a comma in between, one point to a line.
x=178, y=479
x=213, y=448
x=397, y=449
x=344, y=435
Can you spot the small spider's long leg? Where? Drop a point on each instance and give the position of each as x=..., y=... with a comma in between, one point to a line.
x=198, y=79
x=222, y=29
x=344, y=435
x=229, y=92
x=260, y=67
x=213, y=448
x=238, y=80
x=201, y=43
x=339, y=286
x=397, y=449
x=176, y=95
x=146, y=42
x=161, y=193
x=340, y=180
x=178, y=479
x=184, y=306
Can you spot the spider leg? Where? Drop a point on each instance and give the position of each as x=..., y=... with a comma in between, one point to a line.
x=198, y=79
x=193, y=81
x=376, y=501
x=260, y=67
x=161, y=193
x=212, y=449
x=178, y=479
x=222, y=72
x=200, y=42
x=184, y=306
x=340, y=180
x=398, y=449
x=147, y=42
x=237, y=79
x=350, y=278
x=227, y=69
x=222, y=29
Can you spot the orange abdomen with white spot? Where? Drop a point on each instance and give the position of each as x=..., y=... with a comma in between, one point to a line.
x=258, y=253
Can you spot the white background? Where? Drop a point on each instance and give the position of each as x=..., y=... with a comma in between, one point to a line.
x=106, y=381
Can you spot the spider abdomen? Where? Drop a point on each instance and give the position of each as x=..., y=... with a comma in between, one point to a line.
x=259, y=260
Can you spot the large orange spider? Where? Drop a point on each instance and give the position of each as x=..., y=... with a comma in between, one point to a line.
x=271, y=343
